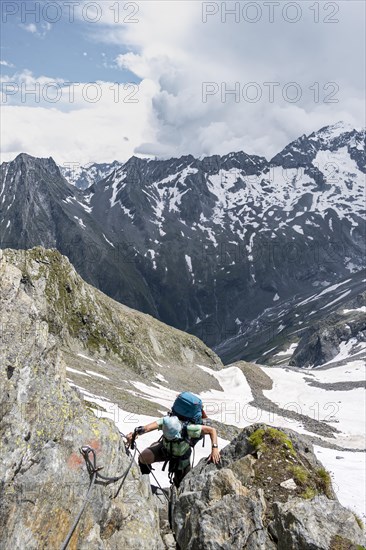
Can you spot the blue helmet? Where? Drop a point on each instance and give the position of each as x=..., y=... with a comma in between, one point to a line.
x=172, y=428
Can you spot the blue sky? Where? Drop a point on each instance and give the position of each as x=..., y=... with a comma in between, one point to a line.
x=166, y=55
x=65, y=49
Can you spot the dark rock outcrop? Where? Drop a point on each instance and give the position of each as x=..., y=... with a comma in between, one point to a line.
x=321, y=342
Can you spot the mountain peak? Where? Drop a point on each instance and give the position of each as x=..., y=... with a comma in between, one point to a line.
x=333, y=130
x=30, y=158
x=29, y=161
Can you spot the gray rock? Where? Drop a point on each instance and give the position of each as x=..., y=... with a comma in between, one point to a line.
x=248, y=502
x=312, y=525
x=224, y=516
x=169, y=541
x=289, y=484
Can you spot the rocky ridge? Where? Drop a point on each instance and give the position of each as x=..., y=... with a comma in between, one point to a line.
x=127, y=346
x=268, y=492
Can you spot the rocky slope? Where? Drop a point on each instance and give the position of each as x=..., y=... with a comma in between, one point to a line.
x=67, y=350
x=104, y=343
x=126, y=363
x=43, y=424
x=205, y=245
x=269, y=492
x=343, y=331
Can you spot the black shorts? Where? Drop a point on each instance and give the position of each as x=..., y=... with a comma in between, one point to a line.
x=160, y=453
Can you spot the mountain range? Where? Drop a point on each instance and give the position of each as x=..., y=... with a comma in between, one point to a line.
x=211, y=246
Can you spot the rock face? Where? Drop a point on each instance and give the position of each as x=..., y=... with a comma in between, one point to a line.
x=43, y=423
x=319, y=523
x=321, y=341
x=269, y=492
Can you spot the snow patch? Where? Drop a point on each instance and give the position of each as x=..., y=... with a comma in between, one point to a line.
x=289, y=350
x=109, y=242
x=80, y=222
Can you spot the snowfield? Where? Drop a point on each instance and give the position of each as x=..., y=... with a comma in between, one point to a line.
x=293, y=390
x=348, y=477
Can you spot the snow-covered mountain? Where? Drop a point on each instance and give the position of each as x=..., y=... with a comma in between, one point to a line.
x=83, y=177
x=227, y=237
x=37, y=205
x=206, y=245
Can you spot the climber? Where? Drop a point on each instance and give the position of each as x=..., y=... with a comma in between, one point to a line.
x=182, y=429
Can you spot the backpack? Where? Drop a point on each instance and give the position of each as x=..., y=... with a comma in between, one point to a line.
x=169, y=444
x=188, y=408
x=178, y=434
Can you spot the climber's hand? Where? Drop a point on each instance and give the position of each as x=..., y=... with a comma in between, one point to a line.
x=214, y=456
x=129, y=438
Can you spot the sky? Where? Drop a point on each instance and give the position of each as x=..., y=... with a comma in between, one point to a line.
x=86, y=81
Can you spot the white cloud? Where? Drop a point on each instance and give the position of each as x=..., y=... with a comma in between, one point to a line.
x=40, y=31
x=77, y=130
x=31, y=27
x=6, y=64
x=173, y=48
x=173, y=53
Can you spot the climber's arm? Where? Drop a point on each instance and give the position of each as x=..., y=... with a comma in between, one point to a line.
x=149, y=427
x=215, y=453
x=142, y=430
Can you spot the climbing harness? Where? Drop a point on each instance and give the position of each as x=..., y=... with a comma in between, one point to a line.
x=94, y=472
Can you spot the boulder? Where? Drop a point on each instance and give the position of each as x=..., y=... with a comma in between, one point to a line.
x=303, y=524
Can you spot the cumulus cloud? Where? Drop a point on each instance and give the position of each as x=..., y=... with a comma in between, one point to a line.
x=214, y=84
x=233, y=85
x=80, y=122
x=6, y=64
